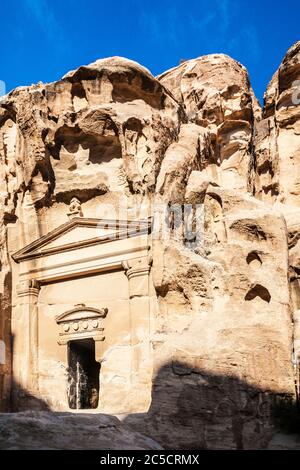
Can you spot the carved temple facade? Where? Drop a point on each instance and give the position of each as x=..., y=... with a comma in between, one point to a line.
x=82, y=304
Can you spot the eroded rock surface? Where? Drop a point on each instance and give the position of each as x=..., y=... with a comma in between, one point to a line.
x=224, y=318
x=58, y=431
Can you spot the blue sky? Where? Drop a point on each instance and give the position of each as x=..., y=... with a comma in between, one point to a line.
x=43, y=39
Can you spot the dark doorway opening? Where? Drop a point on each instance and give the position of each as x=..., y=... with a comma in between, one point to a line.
x=83, y=374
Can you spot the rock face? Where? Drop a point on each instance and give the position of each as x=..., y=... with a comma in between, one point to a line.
x=47, y=431
x=190, y=145
x=216, y=94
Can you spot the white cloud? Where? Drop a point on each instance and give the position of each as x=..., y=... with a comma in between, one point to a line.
x=2, y=88
x=42, y=12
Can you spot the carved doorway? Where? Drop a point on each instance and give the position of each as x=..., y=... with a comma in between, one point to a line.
x=83, y=374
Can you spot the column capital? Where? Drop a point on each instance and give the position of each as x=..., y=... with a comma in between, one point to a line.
x=137, y=267
x=28, y=287
x=137, y=271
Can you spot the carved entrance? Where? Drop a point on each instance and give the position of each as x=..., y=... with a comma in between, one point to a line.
x=59, y=343
x=80, y=329
x=83, y=374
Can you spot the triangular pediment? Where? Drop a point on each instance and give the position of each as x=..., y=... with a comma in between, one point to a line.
x=81, y=232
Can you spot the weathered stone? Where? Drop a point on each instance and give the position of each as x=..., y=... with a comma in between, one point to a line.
x=149, y=232
x=56, y=431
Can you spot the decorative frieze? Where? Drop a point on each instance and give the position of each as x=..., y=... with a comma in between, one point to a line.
x=81, y=322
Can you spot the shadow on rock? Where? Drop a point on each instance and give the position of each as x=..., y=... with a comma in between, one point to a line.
x=194, y=409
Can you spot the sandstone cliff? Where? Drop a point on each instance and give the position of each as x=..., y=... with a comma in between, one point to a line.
x=226, y=322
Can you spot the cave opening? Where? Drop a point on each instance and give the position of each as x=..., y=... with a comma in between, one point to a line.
x=83, y=375
x=74, y=148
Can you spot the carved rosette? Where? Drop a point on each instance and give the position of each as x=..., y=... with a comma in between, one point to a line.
x=81, y=322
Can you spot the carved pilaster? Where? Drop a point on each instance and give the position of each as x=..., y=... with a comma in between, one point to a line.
x=28, y=292
x=137, y=271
